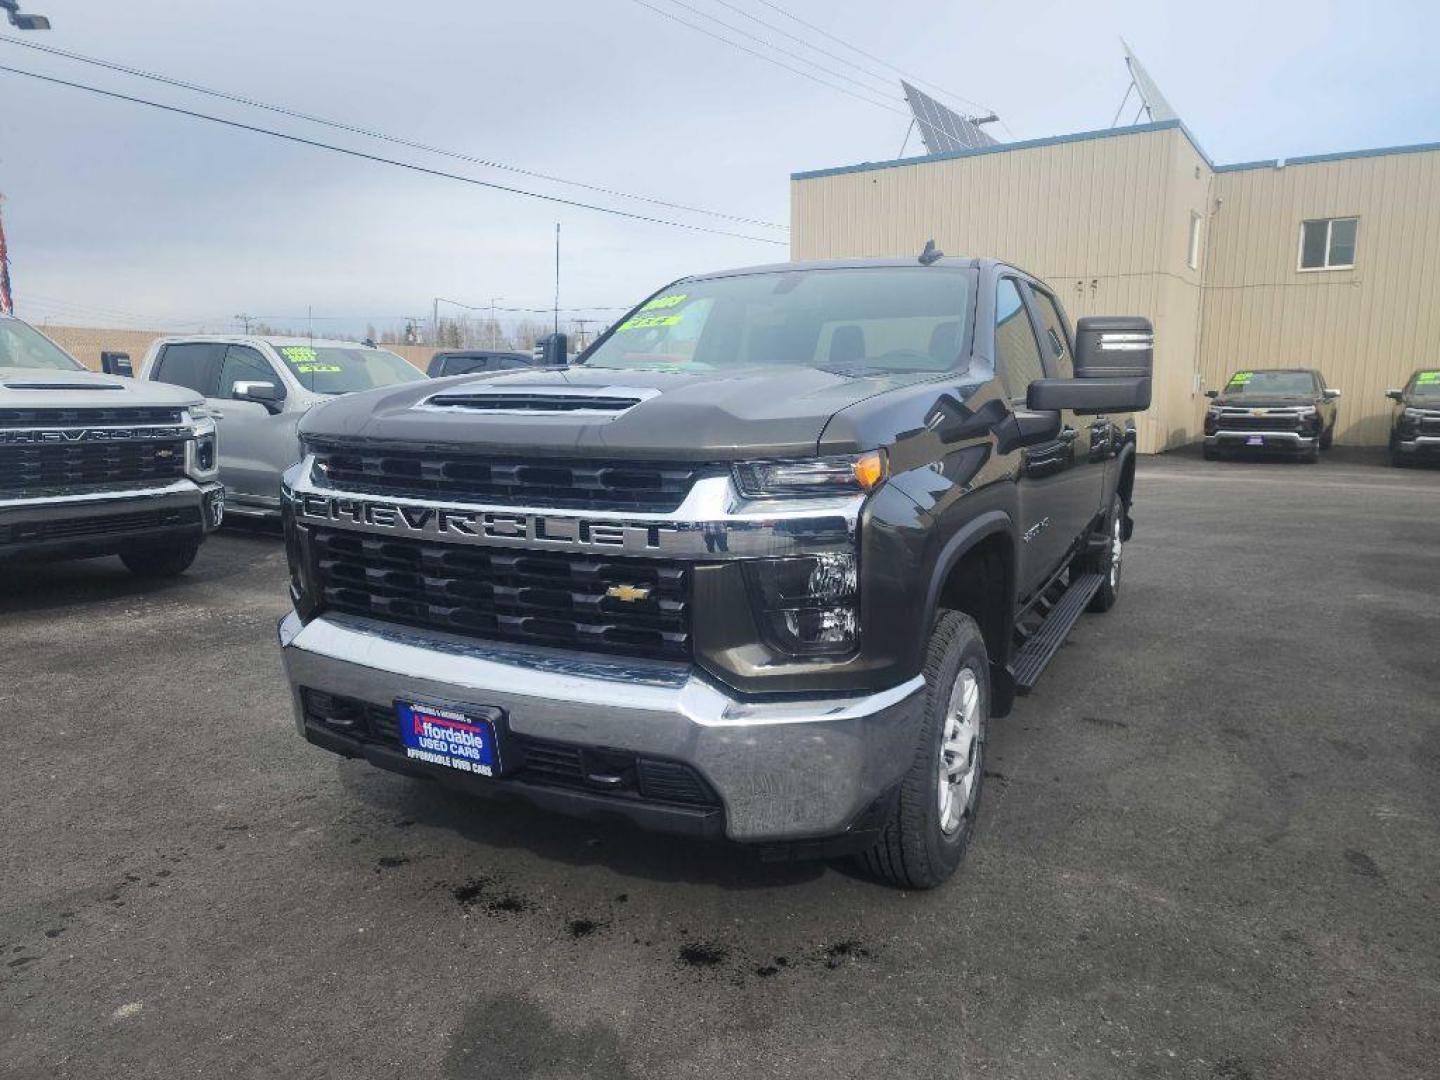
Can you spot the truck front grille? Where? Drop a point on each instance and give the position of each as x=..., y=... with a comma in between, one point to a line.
x=1245, y=422
x=539, y=598
x=645, y=486
x=531, y=760
x=45, y=418
x=48, y=466
x=108, y=525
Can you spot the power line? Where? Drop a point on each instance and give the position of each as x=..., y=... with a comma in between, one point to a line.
x=771, y=45
x=768, y=59
x=382, y=136
x=871, y=56
x=389, y=161
x=779, y=63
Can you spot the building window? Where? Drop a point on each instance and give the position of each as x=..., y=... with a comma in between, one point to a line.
x=1328, y=243
x=1192, y=258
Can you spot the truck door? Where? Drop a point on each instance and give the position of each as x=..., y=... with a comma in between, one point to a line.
x=256, y=444
x=1041, y=468
x=1081, y=495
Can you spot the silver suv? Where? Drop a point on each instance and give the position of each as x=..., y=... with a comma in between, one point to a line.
x=257, y=389
x=94, y=464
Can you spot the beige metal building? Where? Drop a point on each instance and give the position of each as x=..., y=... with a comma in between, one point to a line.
x=1330, y=261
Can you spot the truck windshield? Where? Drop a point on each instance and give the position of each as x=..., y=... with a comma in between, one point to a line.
x=23, y=347
x=851, y=321
x=334, y=369
x=1271, y=384
x=1426, y=384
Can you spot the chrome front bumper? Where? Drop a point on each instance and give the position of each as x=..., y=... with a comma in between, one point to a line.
x=1290, y=440
x=784, y=770
x=98, y=507
x=1419, y=444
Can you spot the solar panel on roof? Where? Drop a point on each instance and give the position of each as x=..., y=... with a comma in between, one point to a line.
x=1155, y=103
x=942, y=128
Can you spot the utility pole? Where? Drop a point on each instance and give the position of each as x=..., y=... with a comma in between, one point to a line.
x=244, y=320
x=494, y=329
x=557, y=277
x=435, y=322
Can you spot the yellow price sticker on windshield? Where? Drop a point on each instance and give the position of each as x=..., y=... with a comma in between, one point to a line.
x=673, y=300
x=324, y=369
x=298, y=354
x=645, y=322
x=1240, y=378
x=1427, y=377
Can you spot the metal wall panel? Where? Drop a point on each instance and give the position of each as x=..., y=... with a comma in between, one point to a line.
x=1365, y=328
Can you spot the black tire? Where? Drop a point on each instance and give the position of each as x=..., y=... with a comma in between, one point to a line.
x=1109, y=562
x=914, y=851
x=1327, y=439
x=1209, y=453
x=155, y=561
x=1312, y=456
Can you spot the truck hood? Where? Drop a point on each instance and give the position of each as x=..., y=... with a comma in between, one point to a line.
x=39, y=388
x=691, y=416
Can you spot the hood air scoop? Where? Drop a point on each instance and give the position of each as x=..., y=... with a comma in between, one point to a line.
x=607, y=401
x=61, y=386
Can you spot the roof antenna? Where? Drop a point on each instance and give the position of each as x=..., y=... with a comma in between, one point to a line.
x=931, y=254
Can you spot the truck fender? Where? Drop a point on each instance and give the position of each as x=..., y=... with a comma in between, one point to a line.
x=990, y=523
x=1124, y=485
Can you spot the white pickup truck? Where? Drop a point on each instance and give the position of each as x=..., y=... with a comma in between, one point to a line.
x=94, y=464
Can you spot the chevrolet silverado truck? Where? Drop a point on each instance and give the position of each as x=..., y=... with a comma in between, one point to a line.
x=94, y=464
x=763, y=563
x=1266, y=411
x=1415, y=429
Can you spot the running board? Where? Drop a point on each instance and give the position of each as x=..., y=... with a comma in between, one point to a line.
x=1041, y=646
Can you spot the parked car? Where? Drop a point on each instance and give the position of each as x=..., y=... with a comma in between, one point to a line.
x=755, y=566
x=1272, y=411
x=469, y=362
x=1415, y=432
x=258, y=388
x=94, y=464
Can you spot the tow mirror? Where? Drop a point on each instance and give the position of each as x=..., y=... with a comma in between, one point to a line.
x=1114, y=347
x=1212, y=394
x=261, y=393
x=1331, y=395
x=116, y=363
x=552, y=351
x=1395, y=395
x=1091, y=396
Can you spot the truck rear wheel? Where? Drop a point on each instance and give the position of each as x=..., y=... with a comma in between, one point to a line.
x=155, y=561
x=1107, y=562
x=929, y=828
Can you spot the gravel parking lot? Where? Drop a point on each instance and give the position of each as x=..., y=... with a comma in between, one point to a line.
x=1210, y=847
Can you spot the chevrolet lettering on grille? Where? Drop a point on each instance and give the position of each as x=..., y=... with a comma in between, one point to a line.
x=483, y=526
x=63, y=436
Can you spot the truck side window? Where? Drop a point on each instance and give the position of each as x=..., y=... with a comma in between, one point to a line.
x=1017, y=354
x=244, y=364
x=194, y=364
x=1057, y=333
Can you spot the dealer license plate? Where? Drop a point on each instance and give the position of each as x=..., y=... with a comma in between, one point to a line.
x=1255, y=440
x=461, y=738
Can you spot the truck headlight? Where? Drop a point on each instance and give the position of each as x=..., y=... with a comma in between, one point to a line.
x=807, y=606
x=202, y=454
x=841, y=475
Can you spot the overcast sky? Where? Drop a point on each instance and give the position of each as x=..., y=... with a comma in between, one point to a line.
x=122, y=215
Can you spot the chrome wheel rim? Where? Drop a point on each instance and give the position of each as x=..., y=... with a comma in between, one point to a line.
x=1116, y=547
x=961, y=747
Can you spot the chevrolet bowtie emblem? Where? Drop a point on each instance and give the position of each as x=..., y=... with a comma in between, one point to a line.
x=1259, y=412
x=628, y=593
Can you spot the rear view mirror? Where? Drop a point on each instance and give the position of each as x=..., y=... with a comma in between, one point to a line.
x=1395, y=395
x=1114, y=347
x=116, y=363
x=261, y=393
x=1331, y=395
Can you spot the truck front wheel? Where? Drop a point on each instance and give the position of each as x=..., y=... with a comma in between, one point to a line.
x=929, y=827
x=153, y=561
x=1109, y=561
